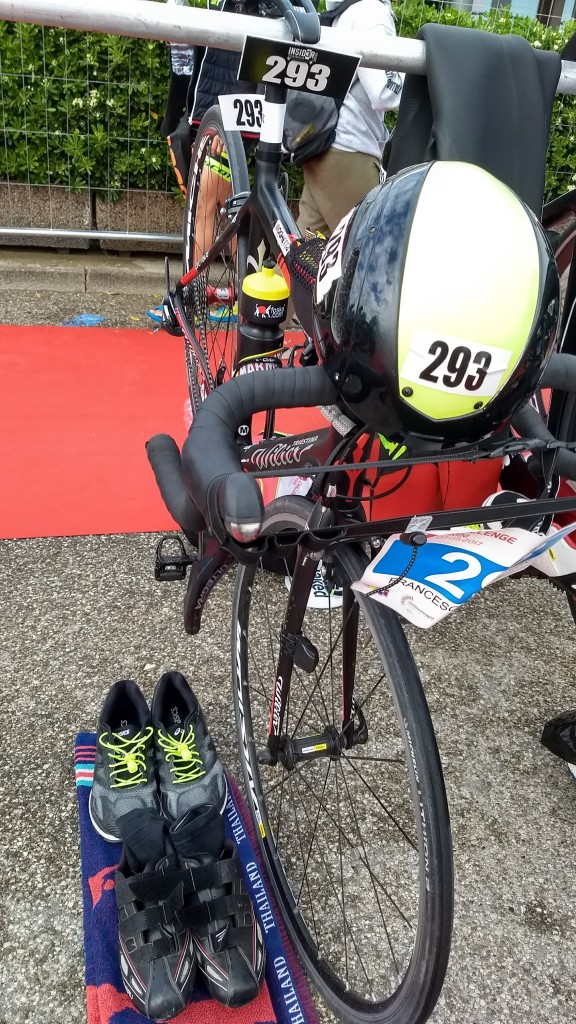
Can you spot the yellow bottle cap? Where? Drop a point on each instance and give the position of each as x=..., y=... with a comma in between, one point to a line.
x=266, y=285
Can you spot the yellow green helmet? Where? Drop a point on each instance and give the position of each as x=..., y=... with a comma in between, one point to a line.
x=436, y=304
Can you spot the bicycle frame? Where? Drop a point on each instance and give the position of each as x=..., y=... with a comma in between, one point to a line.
x=262, y=216
x=263, y=219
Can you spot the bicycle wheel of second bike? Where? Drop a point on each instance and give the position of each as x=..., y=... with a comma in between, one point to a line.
x=217, y=173
x=357, y=846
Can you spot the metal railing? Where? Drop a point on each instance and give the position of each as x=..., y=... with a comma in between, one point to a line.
x=146, y=20
x=90, y=216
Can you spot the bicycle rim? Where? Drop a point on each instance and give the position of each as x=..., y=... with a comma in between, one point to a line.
x=211, y=300
x=357, y=846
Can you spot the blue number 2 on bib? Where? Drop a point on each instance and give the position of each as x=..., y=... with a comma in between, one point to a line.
x=455, y=573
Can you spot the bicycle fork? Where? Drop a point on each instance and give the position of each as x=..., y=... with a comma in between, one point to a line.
x=296, y=650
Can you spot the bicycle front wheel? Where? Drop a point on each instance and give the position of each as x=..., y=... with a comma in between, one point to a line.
x=356, y=843
x=218, y=173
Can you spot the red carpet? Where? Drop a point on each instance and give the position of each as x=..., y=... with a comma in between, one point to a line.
x=76, y=407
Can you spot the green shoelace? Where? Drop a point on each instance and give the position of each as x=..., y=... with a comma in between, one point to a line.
x=127, y=758
x=186, y=762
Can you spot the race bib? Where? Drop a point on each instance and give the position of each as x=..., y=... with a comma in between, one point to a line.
x=449, y=569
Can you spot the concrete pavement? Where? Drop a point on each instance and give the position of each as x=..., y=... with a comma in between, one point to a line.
x=79, y=613
x=41, y=287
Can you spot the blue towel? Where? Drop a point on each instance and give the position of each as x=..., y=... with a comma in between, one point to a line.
x=284, y=999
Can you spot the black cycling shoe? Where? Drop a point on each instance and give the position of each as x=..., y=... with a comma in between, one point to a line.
x=157, y=958
x=229, y=947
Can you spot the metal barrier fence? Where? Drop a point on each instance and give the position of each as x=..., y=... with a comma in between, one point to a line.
x=81, y=154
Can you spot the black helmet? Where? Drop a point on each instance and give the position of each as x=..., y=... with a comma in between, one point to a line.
x=436, y=304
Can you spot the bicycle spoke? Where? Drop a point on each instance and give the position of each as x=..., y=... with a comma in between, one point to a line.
x=371, y=878
x=341, y=871
x=362, y=704
x=296, y=819
x=317, y=819
x=365, y=864
x=383, y=806
x=328, y=876
x=319, y=677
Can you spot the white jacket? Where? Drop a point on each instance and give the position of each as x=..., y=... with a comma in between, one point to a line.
x=360, y=125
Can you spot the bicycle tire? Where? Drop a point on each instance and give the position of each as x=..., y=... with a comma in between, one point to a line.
x=214, y=327
x=417, y=985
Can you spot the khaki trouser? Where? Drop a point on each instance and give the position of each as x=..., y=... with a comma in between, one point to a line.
x=333, y=184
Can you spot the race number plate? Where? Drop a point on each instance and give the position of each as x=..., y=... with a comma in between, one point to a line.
x=449, y=569
x=297, y=66
x=241, y=113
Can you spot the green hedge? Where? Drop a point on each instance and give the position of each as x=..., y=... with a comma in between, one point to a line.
x=81, y=109
x=84, y=110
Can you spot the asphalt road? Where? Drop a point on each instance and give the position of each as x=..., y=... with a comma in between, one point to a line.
x=79, y=613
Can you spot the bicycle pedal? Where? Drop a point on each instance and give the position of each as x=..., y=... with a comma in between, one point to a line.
x=171, y=566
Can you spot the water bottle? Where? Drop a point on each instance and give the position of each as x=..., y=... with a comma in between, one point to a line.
x=181, y=54
x=263, y=307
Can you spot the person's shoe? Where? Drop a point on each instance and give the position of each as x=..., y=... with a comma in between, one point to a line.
x=223, y=314
x=506, y=498
x=323, y=593
x=558, y=563
x=157, y=953
x=230, y=951
x=155, y=314
x=124, y=777
x=189, y=772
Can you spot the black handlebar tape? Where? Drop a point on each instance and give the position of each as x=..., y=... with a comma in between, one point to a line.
x=529, y=423
x=164, y=457
x=560, y=373
x=211, y=456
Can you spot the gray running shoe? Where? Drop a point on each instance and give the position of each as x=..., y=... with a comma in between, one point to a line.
x=124, y=777
x=189, y=772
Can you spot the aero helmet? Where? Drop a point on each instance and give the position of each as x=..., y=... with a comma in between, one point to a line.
x=436, y=304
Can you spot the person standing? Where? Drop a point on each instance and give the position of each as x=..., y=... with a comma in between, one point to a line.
x=338, y=179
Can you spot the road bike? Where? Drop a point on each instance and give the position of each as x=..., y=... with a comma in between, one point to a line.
x=341, y=767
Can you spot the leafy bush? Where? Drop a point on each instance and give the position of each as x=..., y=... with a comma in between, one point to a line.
x=83, y=109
